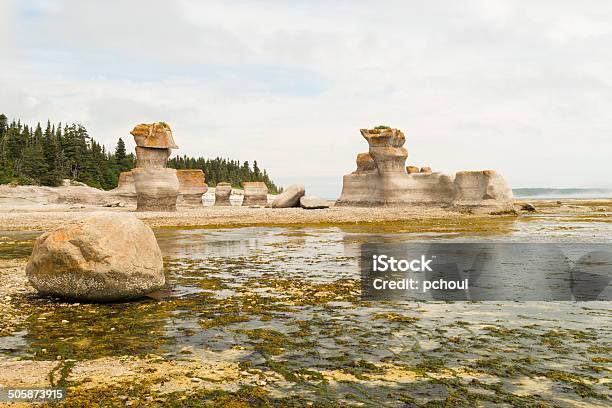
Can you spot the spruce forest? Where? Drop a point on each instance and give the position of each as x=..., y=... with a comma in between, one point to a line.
x=37, y=155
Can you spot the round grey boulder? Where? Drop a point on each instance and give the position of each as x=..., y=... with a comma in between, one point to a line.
x=106, y=257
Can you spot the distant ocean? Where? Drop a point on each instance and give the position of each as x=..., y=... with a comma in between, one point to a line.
x=549, y=193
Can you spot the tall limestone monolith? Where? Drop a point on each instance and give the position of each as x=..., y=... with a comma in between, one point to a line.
x=157, y=187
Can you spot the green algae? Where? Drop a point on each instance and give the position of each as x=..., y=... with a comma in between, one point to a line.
x=277, y=310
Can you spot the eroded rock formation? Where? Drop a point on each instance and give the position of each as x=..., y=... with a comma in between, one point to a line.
x=152, y=157
x=191, y=186
x=255, y=193
x=381, y=178
x=222, y=194
x=126, y=188
x=157, y=187
x=313, y=203
x=480, y=187
x=154, y=135
x=107, y=257
x=290, y=197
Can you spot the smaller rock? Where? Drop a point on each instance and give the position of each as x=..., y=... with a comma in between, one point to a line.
x=313, y=203
x=528, y=207
x=114, y=204
x=412, y=169
x=222, y=194
x=290, y=197
x=255, y=193
x=425, y=170
x=191, y=186
x=365, y=163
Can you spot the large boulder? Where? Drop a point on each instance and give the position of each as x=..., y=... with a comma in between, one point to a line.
x=106, y=257
x=156, y=135
x=156, y=188
x=255, y=193
x=313, y=203
x=191, y=186
x=222, y=194
x=290, y=197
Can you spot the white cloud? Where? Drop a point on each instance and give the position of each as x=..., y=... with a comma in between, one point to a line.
x=521, y=87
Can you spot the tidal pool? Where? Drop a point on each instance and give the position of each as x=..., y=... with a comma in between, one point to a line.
x=288, y=299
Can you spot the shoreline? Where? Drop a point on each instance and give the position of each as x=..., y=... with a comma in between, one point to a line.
x=47, y=217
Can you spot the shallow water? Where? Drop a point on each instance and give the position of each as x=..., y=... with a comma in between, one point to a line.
x=289, y=297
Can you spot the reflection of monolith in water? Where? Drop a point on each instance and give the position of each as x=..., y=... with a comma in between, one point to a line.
x=382, y=178
x=156, y=186
x=591, y=276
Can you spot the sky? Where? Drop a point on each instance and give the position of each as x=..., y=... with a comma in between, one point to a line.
x=521, y=87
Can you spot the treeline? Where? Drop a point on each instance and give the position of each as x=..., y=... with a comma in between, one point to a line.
x=33, y=155
x=220, y=169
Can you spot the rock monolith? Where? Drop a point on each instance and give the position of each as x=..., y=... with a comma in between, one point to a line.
x=222, y=194
x=191, y=186
x=381, y=178
x=255, y=193
x=126, y=188
x=157, y=187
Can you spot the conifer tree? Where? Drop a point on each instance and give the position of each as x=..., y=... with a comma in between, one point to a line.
x=66, y=151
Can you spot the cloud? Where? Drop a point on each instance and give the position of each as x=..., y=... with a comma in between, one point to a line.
x=521, y=88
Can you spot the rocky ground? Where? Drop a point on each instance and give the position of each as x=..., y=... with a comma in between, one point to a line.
x=45, y=217
x=288, y=340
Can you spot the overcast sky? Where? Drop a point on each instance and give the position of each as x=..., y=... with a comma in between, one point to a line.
x=524, y=87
